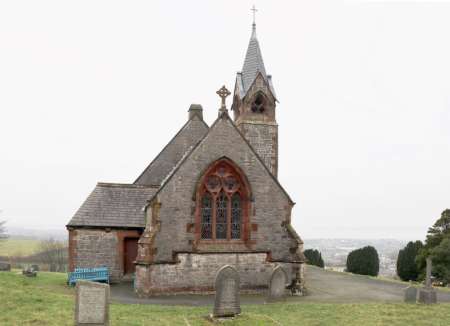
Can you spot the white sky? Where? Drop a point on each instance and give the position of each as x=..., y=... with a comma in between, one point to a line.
x=92, y=90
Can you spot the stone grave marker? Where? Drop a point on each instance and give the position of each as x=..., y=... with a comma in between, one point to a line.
x=5, y=267
x=277, y=285
x=427, y=294
x=227, y=303
x=410, y=294
x=92, y=303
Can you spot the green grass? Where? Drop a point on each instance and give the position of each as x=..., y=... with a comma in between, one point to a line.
x=18, y=247
x=46, y=300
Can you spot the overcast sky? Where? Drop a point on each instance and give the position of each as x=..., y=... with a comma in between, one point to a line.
x=92, y=90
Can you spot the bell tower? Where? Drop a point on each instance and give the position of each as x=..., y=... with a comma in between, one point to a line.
x=254, y=103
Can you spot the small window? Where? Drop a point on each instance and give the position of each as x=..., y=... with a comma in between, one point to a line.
x=258, y=105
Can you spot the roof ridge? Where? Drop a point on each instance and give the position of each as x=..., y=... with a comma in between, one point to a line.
x=223, y=115
x=124, y=185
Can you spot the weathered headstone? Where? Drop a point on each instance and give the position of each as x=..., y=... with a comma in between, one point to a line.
x=227, y=303
x=427, y=294
x=29, y=272
x=277, y=284
x=410, y=294
x=92, y=303
x=5, y=267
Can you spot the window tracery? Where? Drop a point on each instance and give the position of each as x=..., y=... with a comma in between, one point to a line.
x=222, y=199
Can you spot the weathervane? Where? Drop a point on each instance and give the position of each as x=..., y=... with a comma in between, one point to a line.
x=223, y=92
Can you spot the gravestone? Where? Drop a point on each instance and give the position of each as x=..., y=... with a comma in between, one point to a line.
x=29, y=272
x=5, y=267
x=410, y=294
x=227, y=303
x=277, y=285
x=92, y=303
x=427, y=294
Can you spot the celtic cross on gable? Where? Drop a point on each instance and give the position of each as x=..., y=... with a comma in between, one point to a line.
x=223, y=93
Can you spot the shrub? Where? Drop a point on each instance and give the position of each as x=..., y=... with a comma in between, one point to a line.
x=363, y=261
x=314, y=257
x=407, y=268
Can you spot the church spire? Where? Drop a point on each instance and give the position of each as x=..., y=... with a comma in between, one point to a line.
x=253, y=63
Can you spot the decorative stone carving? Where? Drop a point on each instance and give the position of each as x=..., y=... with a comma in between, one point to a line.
x=227, y=303
x=92, y=303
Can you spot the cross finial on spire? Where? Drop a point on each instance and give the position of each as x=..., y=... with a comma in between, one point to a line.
x=223, y=92
x=254, y=14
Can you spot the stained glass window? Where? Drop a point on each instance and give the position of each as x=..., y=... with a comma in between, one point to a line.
x=222, y=201
x=236, y=212
x=206, y=222
x=221, y=216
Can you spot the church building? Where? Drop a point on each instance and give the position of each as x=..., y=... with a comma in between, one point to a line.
x=210, y=198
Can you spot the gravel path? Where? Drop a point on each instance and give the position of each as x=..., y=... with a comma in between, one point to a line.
x=323, y=286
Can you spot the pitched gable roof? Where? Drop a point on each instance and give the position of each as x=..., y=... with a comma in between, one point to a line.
x=114, y=205
x=223, y=116
x=189, y=135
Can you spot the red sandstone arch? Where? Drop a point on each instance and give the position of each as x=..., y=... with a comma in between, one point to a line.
x=226, y=188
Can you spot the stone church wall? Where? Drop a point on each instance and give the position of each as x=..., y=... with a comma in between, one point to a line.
x=264, y=139
x=197, y=272
x=89, y=248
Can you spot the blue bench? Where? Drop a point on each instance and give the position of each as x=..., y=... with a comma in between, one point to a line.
x=99, y=274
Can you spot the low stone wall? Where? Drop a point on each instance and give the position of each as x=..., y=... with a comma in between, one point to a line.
x=197, y=272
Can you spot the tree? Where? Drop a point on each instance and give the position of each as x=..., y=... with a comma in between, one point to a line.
x=440, y=256
x=437, y=234
x=54, y=254
x=363, y=261
x=407, y=268
x=314, y=257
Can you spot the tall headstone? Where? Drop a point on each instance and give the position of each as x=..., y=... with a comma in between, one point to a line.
x=410, y=294
x=227, y=302
x=92, y=303
x=277, y=285
x=427, y=294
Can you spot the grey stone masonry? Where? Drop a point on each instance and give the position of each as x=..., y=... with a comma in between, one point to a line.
x=92, y=303
x=410, y=294
x=227, y=302
x=97, y=248
x=427, y=294
x=277, y=285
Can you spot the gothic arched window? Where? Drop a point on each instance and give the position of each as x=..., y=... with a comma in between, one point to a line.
x=222, y=203
x=258, y=104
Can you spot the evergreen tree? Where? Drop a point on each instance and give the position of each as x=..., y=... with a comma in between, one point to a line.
x=407, y=268
x=314, y=257
x=363, y=261
x=437, y=234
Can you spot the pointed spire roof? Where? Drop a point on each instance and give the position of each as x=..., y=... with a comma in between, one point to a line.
x=253, y=65
x=253, y=62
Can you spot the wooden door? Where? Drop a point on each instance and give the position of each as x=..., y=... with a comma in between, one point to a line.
x=130, y=253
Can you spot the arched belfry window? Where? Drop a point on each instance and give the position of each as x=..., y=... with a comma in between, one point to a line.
x=222, y=203
x=259, y=103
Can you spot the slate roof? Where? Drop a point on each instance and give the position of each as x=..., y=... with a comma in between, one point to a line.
x=253, y=64
x=114, y=205
x=188, y=136
x=223, y=115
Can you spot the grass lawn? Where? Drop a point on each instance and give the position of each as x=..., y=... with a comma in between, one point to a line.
x=18, y=247
x=46, y=300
